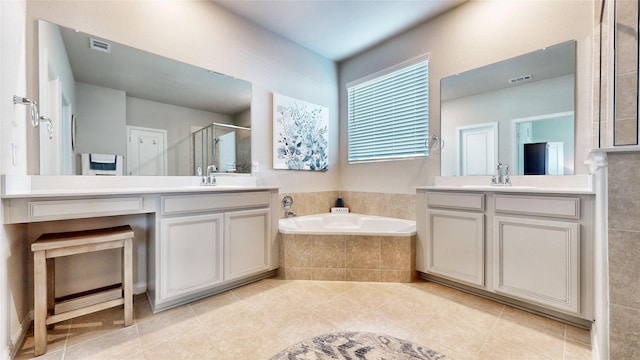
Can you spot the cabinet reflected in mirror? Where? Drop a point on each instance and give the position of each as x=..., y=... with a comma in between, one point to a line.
x=490, y=114
x=140, y=107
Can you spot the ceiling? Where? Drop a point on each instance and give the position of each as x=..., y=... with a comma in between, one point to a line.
x=338, y=29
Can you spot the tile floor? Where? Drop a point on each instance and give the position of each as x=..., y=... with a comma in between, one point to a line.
x=258, y=320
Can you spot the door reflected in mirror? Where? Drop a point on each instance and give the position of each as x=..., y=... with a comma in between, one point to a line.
x=139, y=107
x=491, y=115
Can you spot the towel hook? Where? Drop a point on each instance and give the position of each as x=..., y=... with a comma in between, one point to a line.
x=36, y=119
x=434, y=142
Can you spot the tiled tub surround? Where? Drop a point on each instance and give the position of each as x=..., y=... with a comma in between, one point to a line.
x=400, y=206
x=347, y=258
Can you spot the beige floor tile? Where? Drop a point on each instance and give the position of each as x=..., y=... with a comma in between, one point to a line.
x=169, y=327
x=532, y=339
x=432, y=288
x=577, y=351
x=259, y=320
x=465, y=336
x=115, y=345
x=338, y=286
x=498, y=348
x=577, y=334
x=95, y=325
x=49, y=355
x=477, y=302
x=252, y=289
x=198, y=346
x=56, y=340
x=373, y=296
x=534, y=321
x=306, y=294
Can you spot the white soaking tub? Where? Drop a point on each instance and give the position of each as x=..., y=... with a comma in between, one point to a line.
x=347, y=224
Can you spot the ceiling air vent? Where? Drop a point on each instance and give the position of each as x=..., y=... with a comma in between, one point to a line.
x=519, y=79
x=99, y=45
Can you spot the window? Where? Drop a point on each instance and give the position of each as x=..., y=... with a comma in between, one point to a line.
x=389, y=113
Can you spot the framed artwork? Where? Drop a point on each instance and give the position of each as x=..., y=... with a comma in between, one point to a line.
x=300, y=134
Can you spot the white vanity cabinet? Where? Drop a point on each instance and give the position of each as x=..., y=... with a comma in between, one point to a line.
x=532, y=250
x=455, y=237
x=207, y=243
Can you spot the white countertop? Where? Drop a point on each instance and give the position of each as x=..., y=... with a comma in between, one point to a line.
x=566, y=184
x=34, y=186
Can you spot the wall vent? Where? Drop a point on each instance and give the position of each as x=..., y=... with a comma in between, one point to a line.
x=522, y=78
x=100, y=45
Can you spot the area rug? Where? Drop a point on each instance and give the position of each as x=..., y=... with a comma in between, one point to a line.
x=357, y=345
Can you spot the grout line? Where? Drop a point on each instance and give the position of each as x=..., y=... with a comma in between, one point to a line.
x=486, y=338
x=564, y=343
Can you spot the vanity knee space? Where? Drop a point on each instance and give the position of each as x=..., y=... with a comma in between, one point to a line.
x=534, y=249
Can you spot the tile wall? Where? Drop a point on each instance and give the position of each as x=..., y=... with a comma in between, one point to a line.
x=626, y=73
x=624, y=255
x=401, y=206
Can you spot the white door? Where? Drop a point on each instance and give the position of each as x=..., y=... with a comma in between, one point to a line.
x=477, y=149
x=555, y=158
x=227, y=152
x=146, y=151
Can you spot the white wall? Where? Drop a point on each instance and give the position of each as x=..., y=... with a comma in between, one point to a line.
x=13, y=302
x=474, y=34
x=101, y=120
x=203, y=34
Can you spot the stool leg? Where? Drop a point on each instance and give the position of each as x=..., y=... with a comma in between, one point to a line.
x=127, y=281
x=40, y=302
x=51, y=289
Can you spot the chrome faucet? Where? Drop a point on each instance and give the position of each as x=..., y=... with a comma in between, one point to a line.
x=502, y=179
x=211, y=179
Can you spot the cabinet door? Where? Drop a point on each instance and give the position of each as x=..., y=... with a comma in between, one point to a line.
x=246, y=242
x=538, y=261
x=456, y=245
x=190, y=254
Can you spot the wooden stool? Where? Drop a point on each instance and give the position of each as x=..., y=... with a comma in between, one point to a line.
x=50, y=246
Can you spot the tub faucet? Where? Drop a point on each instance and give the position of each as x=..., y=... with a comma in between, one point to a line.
x=287, y=201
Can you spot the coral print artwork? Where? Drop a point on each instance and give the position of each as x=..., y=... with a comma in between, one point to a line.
x=300, y=135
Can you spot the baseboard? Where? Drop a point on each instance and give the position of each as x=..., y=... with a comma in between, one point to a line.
x=15, y=346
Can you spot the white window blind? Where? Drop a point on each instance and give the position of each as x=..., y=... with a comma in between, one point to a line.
x=389, y=113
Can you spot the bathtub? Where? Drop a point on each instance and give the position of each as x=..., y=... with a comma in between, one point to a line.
x=347, y=224
x=347, y=247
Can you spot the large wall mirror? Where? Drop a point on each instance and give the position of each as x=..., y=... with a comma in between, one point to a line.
x=518, y=112
x=118, y=110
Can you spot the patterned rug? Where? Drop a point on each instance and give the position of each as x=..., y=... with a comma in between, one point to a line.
x=357, y=345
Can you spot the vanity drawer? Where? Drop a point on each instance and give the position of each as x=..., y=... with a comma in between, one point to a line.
x=180, y=204
x=83, y=208
x=558, y=207
x=455, y=201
